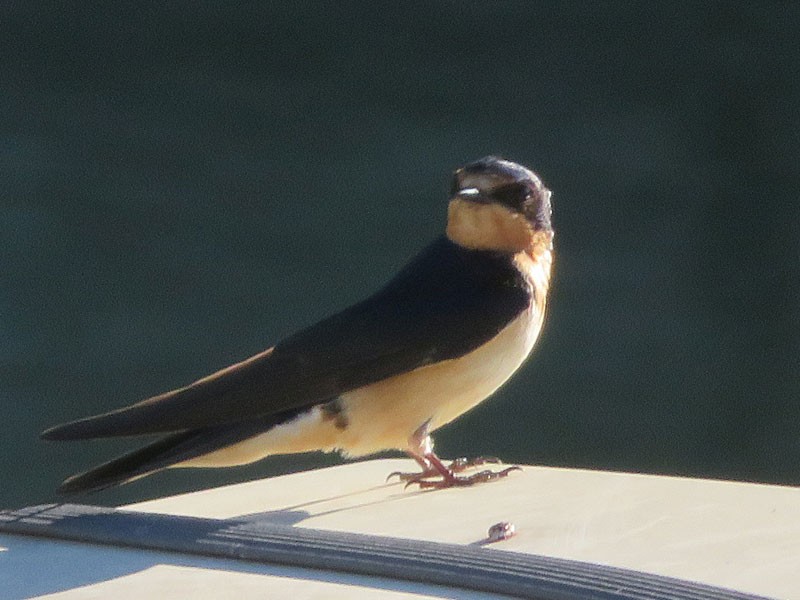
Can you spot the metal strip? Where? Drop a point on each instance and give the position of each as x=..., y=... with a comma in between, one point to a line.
x=466, y=567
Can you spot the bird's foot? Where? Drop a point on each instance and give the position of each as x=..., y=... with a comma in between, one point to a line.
x=436, y=475
x=447, y=476
x=456, y=466
x=461, y=481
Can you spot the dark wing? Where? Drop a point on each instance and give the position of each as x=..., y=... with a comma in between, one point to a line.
x=443, y=304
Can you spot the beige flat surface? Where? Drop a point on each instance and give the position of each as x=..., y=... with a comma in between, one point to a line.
x=736, y=535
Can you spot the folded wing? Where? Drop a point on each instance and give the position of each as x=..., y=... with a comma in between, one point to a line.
x=444, y=304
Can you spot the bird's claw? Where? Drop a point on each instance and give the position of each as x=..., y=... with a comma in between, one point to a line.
x=412, y=477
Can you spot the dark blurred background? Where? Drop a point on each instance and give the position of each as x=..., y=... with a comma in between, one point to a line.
x=184, y=183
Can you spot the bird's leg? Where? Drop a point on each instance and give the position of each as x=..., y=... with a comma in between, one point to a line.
x=420, y=448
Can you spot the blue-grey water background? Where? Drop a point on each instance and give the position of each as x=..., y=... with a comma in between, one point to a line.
x=184, y=183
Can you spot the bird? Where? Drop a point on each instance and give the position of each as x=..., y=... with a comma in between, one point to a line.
x=440, y=337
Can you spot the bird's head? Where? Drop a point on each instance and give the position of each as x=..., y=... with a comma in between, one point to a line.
x=499, y=205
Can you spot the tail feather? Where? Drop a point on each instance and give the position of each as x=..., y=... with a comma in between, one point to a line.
x=166, y=452
x=128, y=467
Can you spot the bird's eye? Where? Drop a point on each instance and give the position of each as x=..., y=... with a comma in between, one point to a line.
x=513, y=195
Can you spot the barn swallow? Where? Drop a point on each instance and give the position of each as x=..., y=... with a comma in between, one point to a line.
x=446, y=332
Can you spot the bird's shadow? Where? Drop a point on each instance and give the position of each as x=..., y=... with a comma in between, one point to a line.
x=32, y=566
x=297, y=513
